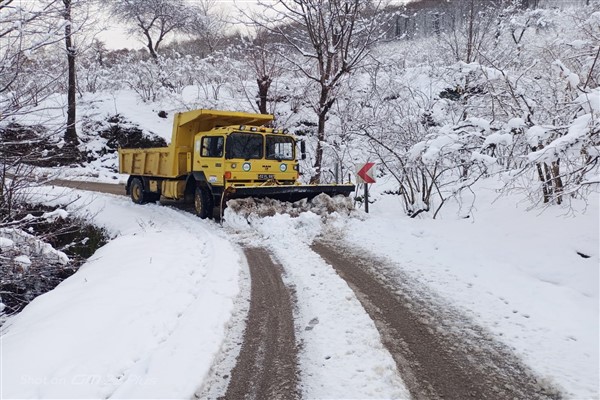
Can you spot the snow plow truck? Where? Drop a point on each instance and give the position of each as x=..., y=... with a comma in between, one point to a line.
x=215, y=156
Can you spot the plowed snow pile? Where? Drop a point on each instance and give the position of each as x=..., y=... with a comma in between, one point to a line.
x=322, y=205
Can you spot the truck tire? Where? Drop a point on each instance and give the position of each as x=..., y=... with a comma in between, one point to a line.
x=202, y=203
x=136, y=189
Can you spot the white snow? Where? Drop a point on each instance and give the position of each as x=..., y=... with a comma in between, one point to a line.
x=498, y=138
x=29, y=245
x=342, y=355
x=5, y=242
x=590, y=101
x=568, y=145
x=143, y=318
x=23, y=260
x=482, y=123
x=56, y=214
x=517, y=273
x=535, y=135
x=516, y=123
x=485, y=159
x=148, y=315
x=579, y=44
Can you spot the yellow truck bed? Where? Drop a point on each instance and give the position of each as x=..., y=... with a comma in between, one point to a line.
x=159, y=162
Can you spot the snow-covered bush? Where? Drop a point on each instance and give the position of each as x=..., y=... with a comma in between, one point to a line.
x=39, y=248
x=527, y=109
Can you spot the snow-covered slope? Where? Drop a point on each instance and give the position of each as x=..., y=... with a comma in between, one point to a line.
x=143, y=318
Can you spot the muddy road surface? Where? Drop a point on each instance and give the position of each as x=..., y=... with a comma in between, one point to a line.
x=440, y=355
x=110, y=188
x=267, y=364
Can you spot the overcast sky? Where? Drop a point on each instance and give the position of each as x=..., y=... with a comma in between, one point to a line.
x=117, y=37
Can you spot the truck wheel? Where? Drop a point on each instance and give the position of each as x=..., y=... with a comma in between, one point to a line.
x=202, y=203
x=137, y=191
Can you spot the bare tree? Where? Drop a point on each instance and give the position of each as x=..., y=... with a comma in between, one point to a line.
x=267, y=66
x=25, y=29
x=75, y=16
x=153, y=19
x=207, y=23
x=332, y=38
x=471, y=28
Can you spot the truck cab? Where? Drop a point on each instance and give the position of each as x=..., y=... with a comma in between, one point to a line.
x=245, y=156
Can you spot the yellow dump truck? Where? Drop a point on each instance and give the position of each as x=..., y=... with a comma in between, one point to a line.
x=219, y=155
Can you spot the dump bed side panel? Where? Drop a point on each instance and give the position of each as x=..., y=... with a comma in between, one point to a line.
x=148, y=162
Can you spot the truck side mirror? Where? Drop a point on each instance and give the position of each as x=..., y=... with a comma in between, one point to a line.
x=303, y=149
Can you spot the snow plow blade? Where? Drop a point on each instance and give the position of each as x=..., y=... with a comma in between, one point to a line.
x=289, y=193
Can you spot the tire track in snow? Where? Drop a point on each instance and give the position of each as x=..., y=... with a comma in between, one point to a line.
x=435, y=364
x=267, y=364
x=341, y=355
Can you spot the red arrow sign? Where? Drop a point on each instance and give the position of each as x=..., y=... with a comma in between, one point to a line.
x=365, y=172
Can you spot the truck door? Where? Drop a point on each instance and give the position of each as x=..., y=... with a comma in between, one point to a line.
x=209, y=157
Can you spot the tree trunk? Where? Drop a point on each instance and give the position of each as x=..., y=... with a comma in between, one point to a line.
x=545, y=191
x=471, y=33
x=557, y=181
x=316, y=178
x=325, y=104
x=150, y=45
x=71, y=132
x=264, y=83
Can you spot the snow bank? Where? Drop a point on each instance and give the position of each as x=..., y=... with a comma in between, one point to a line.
x=143, y=318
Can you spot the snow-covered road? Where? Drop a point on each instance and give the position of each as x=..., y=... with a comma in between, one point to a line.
x=146, y=316
x=154, y=313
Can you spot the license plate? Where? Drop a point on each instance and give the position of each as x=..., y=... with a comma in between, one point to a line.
x=266, y=176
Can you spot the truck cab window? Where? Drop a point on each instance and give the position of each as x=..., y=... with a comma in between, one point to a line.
x=244, y=145
x=212, y=146
x=280, y=147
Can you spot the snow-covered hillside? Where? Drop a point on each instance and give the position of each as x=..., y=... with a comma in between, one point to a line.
x=487, y=197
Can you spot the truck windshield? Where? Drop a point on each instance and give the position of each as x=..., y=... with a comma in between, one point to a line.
x=244, y=145
x=280, y=147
